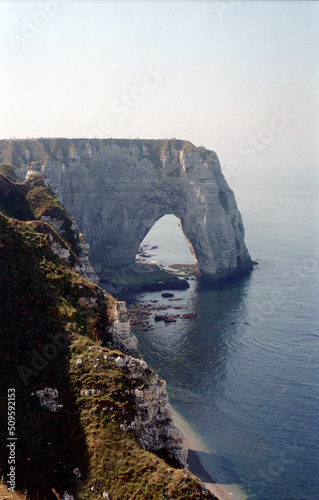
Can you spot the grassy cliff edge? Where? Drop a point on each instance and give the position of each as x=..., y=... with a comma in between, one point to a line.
x=73, y=398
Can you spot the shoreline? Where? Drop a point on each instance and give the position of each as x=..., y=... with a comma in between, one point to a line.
x=194, y=447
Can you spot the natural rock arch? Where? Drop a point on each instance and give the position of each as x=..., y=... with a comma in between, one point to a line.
x=118, y=189
x=175, y=242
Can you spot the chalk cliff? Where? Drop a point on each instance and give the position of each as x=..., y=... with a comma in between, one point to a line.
x=117, y=189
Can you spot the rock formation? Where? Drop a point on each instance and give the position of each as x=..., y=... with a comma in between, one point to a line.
x=34, y=202
x=116, y=190
x=153, y=423
x=120, y=330
x=81, y=248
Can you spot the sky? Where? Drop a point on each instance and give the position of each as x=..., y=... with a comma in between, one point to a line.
x=238, y=77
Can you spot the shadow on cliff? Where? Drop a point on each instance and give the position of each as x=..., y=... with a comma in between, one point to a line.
x=50, y=444
x=34, y=346
x=196, y=466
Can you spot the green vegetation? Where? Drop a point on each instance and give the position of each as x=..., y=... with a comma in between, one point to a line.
x=8, y=171
x=13, y=202
x=117, y=463
x=32, y=200
x=40, y=312
x=50, y=319
x=42, y=200
x=27, y=201
x=41, y=150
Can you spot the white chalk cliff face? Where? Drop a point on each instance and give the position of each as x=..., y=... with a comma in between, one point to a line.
x=117, y=189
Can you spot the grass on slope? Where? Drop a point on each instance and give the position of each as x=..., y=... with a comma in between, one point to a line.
x=40, y=311
x=51, y=317
x=8, y=171
x=31, y=200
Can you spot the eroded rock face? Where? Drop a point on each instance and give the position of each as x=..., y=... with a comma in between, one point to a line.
x=82, y=248
x=122, y=337
x=153, y=423
x=117, y=189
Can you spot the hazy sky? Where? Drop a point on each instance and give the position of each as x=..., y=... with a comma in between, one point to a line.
x=238, y=77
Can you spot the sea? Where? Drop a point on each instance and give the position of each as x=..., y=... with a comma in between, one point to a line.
x=244, y=374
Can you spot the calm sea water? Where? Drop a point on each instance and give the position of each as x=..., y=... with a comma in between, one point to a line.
x=245, y=374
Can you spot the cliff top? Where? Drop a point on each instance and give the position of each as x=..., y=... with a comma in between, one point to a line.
x=32, y=200
x=29, y=200
x=22, y=151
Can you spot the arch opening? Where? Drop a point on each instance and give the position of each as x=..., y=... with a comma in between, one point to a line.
x=167, y=246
